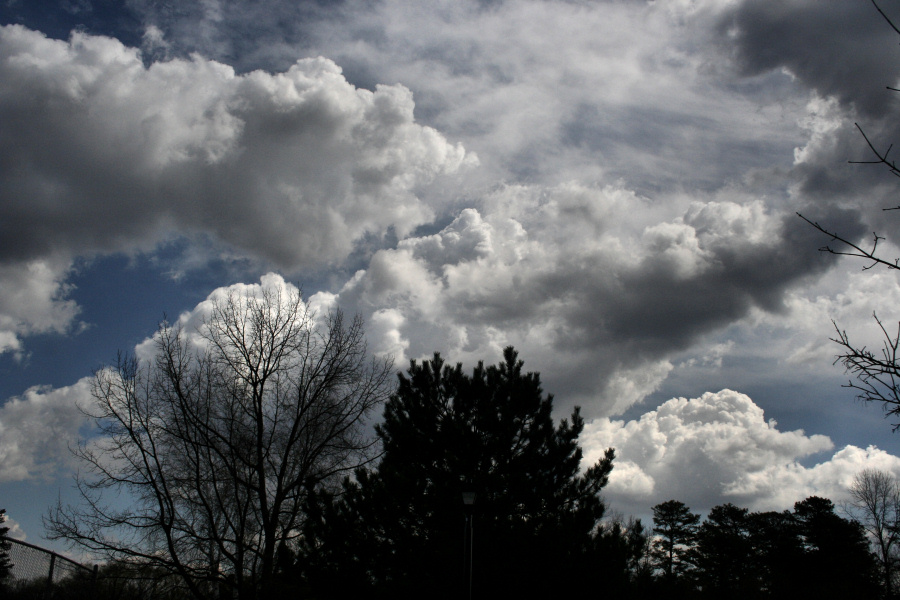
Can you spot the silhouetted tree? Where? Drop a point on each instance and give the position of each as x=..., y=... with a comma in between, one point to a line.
x=622, y=565
x=218, y=440
x=837, y=562
x=875, y=502
x=5, y=546
x=675, y=528
x=397, y=530
x=724, y=554
x=776, y=549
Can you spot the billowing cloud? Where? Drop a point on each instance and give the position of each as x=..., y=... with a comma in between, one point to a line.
x=681, y=110
x=569, y=276
x=38, y=428
x=191, y=322
x=720, y=448
x=847, y=51
x=101, y=153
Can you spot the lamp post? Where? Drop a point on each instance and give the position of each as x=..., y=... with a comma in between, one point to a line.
x=468, y=499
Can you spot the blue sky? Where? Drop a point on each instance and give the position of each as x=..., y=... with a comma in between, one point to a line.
x=609, y=186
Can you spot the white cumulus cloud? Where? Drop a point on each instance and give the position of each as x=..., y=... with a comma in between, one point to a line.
x=720, y=448
x=100, y=153
x=38, y=428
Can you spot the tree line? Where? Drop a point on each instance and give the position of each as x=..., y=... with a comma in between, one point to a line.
x=810, y=552
x=251, y=468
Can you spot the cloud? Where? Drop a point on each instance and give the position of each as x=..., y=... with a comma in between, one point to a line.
x=542, y=91
x=15, y=530
x=720, y=448
x=847, y=77
x=38, y=428
x=191, y=322
x=847, y=51
x=589, y=297
x=101, y=153
x=33, y=299
x=105, y=154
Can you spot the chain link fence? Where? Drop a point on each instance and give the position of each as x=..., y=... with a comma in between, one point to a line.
x=41, y=574
x=30, y=563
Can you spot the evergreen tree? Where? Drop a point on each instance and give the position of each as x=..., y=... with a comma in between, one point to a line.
x=398, y=530
x=675, y=528
x=622, y=559
x=777, y=551
x=5, y=547
x=837, y=562
x=724, y=554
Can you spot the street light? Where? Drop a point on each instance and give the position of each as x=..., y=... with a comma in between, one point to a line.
x=468, y=499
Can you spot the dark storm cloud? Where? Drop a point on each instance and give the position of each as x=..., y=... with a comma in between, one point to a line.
x=843, y=49
x=656, y=311
x=847, y=53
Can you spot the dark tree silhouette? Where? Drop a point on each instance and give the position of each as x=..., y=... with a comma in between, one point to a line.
x=810, y=553
x=675, y=528
x=5, y=546
x=621, y=565
x=875, y=502
x=776, y=550
x=837, y=562
x=220, y=438
x=723, y=554
x=397, y=531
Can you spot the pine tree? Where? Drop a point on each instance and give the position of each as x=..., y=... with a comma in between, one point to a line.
x=837, y=562
x=676, y=529
x=724, y=554
x=399, y=528
x=5, y=546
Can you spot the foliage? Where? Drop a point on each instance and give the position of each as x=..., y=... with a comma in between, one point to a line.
x=5, y=564
x=837, y=562
x=723, y=547
x=397, y=530
x=675, y=528
x=621, y=558
x=218, y=440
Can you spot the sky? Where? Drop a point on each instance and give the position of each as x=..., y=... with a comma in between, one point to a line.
x=612, y=187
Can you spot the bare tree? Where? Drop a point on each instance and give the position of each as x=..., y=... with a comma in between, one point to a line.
x=218, y=440
x=877, y=374
x=875, y=502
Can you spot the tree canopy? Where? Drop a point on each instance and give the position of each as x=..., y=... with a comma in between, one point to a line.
x=675, y=527
x=398, y=528
x=219, y=438
x=5, y=563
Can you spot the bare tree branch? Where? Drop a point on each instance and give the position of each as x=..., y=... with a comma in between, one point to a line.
x=220, y=438
x=855, y=249
x=877, y=375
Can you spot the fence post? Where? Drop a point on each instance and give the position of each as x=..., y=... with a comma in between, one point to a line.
x=49, y=589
